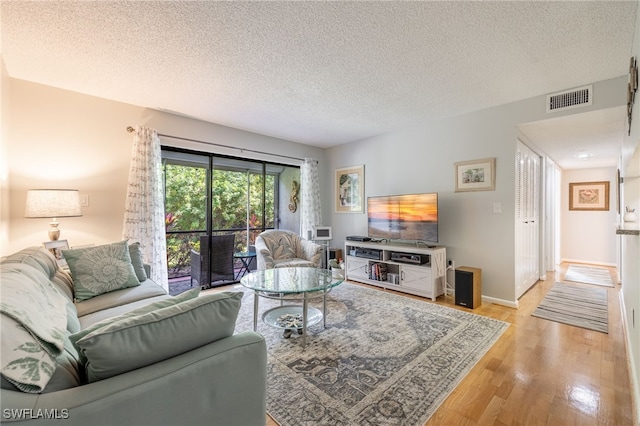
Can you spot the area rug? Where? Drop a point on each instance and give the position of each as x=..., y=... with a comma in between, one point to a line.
x=384, y=359
x=589, y=275
x=579, y=306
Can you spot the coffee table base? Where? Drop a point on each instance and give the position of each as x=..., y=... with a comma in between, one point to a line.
x=309, y=314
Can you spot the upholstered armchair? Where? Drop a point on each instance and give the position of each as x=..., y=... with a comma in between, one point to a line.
x=278, y=248
x=220, y=257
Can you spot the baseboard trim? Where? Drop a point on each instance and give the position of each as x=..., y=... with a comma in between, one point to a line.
x=507, y=303
x=590, y=262
x=635, y=386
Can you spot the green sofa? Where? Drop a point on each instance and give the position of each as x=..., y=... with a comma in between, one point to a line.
x=133, y=356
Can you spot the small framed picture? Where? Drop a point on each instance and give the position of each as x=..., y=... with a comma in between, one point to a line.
x=591, y=196
x=475, y=175
x=350, y=189
x=56, y=247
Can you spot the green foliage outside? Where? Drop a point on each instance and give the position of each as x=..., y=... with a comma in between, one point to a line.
x=185, y=209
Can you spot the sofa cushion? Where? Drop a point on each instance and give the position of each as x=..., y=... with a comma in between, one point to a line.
x=73, y=323
x=38, y=257
x=135, y=342
x=100, y=269
x=136, y=261
x=148, y=307
x=145, y=290
x=95, y=317
x=64, y=282
x=69, y=371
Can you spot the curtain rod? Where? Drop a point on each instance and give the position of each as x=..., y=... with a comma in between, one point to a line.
x=131, y=130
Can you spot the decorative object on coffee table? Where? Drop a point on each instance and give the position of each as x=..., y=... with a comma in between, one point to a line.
x=298, y=285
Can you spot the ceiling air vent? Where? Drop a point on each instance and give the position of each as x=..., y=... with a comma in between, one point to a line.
x=568, y=99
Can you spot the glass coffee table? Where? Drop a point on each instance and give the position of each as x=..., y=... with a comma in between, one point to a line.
x=291, y=284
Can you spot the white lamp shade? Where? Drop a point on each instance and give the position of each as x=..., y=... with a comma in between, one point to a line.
x=52, y=203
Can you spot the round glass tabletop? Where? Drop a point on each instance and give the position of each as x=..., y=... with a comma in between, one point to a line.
x=291, y=280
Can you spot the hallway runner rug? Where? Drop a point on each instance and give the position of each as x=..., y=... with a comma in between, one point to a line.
x=589, y=275
x=573, y=305
x=384, y=359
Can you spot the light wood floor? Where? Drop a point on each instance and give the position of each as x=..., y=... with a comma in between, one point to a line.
x=543, y=373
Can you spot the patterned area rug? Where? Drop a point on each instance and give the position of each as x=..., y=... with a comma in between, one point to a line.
x=180, y=285
x=580, y=306
x=589, y=275
x=177, y=285
x=383, y=359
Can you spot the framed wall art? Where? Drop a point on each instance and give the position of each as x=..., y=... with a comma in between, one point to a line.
x=56, y=247
x=589, y=196
x=475, y=175
x=349, y=186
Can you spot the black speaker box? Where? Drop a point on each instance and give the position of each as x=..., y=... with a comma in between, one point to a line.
x=468, y=287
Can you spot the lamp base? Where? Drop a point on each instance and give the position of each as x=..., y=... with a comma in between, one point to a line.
x=54, y=232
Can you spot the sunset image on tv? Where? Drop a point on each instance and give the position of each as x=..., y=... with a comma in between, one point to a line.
x=404, y=217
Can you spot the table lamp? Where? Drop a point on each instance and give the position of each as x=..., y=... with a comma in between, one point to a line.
x=53, y=203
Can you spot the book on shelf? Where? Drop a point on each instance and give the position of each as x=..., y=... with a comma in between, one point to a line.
x=378, y=272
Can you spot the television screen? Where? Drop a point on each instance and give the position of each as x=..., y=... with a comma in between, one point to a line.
x=412, y=217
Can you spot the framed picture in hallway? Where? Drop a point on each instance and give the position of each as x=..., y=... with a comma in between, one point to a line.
x=350, y=189
x=590, y=196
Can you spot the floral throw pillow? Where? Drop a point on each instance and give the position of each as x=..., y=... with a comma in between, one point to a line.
x=100, y=269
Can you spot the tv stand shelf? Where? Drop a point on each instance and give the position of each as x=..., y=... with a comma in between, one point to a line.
x=413, y=269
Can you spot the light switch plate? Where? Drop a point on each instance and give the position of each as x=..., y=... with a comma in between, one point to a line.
x=497, y=207
x=84, y=200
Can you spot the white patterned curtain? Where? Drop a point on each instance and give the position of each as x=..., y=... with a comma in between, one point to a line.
x=311, y=215
x=144, y=208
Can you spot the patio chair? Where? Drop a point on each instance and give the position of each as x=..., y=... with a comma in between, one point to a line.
x=220, y=258
x=277, y=248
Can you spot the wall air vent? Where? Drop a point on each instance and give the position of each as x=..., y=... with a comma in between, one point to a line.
x=568, y=99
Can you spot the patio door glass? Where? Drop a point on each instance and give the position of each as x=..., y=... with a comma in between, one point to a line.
x=207, y=194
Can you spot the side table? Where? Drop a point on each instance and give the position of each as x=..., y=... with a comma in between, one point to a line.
x=246, y=257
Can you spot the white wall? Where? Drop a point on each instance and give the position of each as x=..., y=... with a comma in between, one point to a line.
x=588, y=236
x=630, y=244
x=63, y=139
x=421, y=159
x=4, y=163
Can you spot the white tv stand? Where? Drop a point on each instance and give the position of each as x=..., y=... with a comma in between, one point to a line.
x=414, y=269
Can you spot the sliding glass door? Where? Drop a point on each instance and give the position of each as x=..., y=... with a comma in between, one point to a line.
x=207, y=194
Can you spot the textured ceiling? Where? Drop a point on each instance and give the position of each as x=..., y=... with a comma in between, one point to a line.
x=319, y=73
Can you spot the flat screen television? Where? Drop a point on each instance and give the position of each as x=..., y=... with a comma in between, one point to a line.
x=410, y=217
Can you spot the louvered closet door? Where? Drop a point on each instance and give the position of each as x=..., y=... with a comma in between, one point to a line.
x=527, y=244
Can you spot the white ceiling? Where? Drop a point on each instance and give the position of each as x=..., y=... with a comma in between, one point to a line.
x=320, y=73
x=590, y=139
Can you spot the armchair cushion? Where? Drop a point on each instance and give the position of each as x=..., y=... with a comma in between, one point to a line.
x=135, y=342
x=280, y=248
